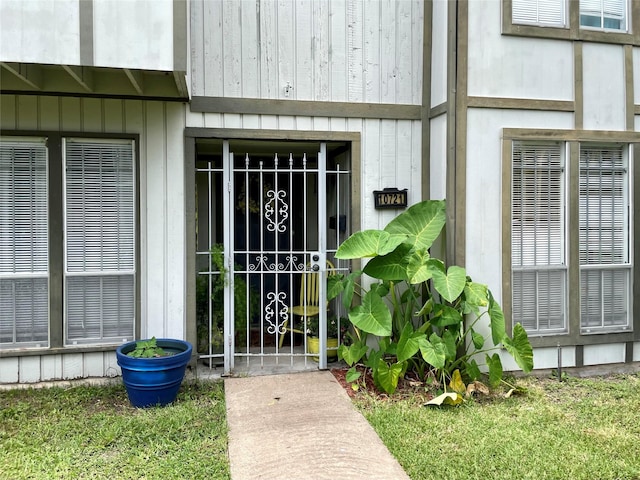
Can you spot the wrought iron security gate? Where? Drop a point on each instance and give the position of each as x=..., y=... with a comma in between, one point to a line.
x=268, y=225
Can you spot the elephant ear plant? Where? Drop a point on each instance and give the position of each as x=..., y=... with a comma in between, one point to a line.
x=426, y=317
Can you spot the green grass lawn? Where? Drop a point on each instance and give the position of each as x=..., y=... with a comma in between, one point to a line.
x=578, y=429
x=93, y=432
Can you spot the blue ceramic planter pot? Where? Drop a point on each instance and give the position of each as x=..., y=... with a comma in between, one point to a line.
x=154, y=381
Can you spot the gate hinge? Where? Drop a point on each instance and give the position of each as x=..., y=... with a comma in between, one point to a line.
x=229, y=337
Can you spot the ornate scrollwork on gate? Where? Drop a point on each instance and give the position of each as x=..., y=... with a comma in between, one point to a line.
x=276, y=312
x=275, y=203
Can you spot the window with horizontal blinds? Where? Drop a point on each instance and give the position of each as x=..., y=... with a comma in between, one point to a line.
x=604, y=14
x=24, y=250
x=539, y=12
x=99, y=241
x=605, y=268
x=538, y=244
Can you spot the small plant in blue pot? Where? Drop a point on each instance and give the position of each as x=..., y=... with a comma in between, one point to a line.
x=153, y=369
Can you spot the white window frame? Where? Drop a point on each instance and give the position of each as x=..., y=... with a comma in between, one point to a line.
x=624, y=266
x=540, y=13
x=598, y=9
x=56, y=241
x=10, y=275
x=537, y=267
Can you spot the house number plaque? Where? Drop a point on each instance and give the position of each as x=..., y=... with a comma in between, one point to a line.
x=390, y=198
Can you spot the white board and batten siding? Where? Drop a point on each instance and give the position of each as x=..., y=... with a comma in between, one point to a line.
x=335, y=50
x=162, y=271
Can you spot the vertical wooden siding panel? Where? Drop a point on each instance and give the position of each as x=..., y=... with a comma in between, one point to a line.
x=93, y=364
x=388, y=69
x=213, y=37
x=91, y=115
x=49, y=113
x=156, y=194
x=113, y=115
x=370, y=171
x=303, y=84
x=175, y=222
x=250, y=50
x=338, y=86
x=27, y=118
x=134, y=118
x=286, y=47
x=196, y=32
x=355, y=27
x=417, y=22
x=404, y=66
x=9, y=370
x=415, y=186
x=29, y=369
x=72, y=366
x=8, y=117
x=372, y=51
x=269, y=121
x=320, y=51
x=388, y=161
x=268, y=42
x=111, y=367
x=70, y=113
x=231, y=60
x=50, y=367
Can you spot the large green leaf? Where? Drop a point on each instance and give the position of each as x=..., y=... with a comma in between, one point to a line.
x=444, y=315
x=349, y=285
x=433, y=353
x=495, y=369
x=450, y=344
x=335, y=286
x=472, y=370
x=418, y=270
x=498, y=331
x=422, y=222
x=475, y=294
x=409, y=343
x=477, y=339
x=520, y=348
x=372, y=316
x=386, y=376
x=451, y=284
x=392, y=266
x=353, y=353
x=369, y=243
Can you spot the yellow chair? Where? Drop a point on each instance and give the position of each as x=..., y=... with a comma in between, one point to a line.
x=309, y=299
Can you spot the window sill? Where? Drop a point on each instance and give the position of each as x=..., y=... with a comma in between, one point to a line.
x=30, y=352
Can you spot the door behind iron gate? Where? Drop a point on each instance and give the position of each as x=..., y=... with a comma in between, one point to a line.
x=275, y=215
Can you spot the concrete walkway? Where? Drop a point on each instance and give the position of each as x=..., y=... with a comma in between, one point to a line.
x=301, y=426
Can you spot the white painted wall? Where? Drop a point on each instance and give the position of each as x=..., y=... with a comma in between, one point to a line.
x=162, y=224
x=603, y=86
x=439, y=46
x=133, y=34
x=515, y=67
x=127, y=34
x=40, y=31
x=333, y=50
x=603, y=354
x=438, y=158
